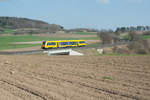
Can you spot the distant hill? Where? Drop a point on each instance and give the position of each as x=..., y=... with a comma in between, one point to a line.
x=25, y=23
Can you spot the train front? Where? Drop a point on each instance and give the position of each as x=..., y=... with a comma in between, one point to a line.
x=43, y=44
x=82, y=43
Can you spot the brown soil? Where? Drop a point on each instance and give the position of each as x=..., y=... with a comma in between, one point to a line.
x=41, y=77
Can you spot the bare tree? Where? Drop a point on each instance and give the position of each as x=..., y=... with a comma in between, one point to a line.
x=137, y=44
x=134, y=37
x=108, y=37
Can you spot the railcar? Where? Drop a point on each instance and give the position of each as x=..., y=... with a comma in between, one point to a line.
x=62, y=44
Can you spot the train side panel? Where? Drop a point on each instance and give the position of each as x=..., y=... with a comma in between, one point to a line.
x=63, y=44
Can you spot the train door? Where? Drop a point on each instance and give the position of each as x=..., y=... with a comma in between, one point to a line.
x=58, y=44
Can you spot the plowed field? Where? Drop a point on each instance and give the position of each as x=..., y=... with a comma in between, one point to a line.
x=39, y=77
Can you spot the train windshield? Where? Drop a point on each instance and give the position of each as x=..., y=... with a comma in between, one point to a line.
x=44, y=42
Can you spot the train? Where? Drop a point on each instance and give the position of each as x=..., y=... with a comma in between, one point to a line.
x=62, y=44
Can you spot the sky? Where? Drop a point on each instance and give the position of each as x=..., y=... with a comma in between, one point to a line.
x=97, y=14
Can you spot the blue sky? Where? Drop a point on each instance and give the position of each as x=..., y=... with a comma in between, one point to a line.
x=99, y=14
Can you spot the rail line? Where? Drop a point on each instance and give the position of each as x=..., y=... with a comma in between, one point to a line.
x=41, y=50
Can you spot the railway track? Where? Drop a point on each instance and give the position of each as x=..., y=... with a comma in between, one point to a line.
x=41, y=50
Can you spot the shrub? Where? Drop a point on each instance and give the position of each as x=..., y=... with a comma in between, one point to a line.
x=146, y=33
x=137, y=44
x=108, y=37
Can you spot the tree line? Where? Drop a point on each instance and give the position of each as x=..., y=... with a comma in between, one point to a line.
x=137, y=28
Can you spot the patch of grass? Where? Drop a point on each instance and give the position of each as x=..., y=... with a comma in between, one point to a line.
x=108, y=77
x=145, y=36
x=7, y=31
x=85, y=33
x=94, y=45
x=126, y=36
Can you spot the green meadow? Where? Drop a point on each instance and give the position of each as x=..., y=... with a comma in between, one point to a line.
x=7, y=42
x=7, y=31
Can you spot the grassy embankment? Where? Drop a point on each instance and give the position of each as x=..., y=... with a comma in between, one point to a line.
x=7, y=42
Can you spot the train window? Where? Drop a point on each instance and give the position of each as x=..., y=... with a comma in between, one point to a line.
x=72, y=43
x=51, y=43
x=63, y=43
x=82, y=41
x=66, y=43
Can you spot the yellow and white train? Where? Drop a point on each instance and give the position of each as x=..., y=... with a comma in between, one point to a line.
x=62, y=44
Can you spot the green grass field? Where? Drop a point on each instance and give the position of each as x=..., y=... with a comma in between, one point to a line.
x=85, y=33
x=8, y=31
x=6, y=42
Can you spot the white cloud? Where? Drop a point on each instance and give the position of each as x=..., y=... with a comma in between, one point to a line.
x=103, y=1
